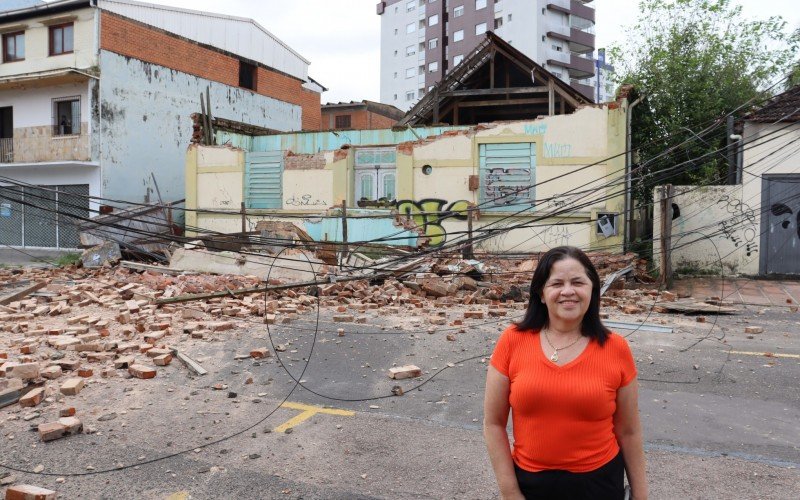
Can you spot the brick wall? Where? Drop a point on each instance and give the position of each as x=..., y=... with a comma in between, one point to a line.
x=133, y=39
x=359, y=120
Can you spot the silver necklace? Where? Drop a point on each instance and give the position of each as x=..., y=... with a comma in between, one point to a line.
x=554, y=357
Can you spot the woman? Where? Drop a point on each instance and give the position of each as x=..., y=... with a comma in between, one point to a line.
x=572, y=385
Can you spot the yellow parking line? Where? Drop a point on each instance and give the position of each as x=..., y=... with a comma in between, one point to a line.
x=307, y=411
x=767, y=354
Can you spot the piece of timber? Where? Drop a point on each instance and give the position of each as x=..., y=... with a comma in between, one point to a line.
x=189, y=362
x=7, y=299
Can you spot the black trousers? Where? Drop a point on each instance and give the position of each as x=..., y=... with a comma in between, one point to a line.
x=605, y=483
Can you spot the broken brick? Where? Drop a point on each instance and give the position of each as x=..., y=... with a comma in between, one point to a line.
x=71, y=425
x=141, y=371
x=29, y=492
x=407, y=371
x=753, y=329
x=163, y=360
x=261, y=352
x=33, y=398
x=473, y=314
x=51, y=431
x=72, y=386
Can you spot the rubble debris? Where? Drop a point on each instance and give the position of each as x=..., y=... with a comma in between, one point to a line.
x=32, y=398
x=407, y=371
x=104, y=254
x=29, y=492
x=193, y=365
x=9, y=294
x=295, y=265
x=260, y=353
x=72, y=386
x=753, y=329
x=141, y=371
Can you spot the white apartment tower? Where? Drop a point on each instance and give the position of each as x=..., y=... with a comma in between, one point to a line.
x=421, y=40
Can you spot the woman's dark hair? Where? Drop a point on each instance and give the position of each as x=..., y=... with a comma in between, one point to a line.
x=536, y=317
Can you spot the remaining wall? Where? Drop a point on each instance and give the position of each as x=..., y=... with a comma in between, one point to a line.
x=146, y=128
x=360, y=119
x=562, y=173
x=731, y=219
x=133, y=39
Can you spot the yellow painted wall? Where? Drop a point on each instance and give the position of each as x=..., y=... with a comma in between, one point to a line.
x=308, y=189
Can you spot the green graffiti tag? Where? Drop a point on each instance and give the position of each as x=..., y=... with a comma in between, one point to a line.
x=429, y=213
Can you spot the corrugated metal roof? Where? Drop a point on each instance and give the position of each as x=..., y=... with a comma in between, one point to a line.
x=238, y=35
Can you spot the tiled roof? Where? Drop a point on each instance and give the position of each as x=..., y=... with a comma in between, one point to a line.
x=783, y=107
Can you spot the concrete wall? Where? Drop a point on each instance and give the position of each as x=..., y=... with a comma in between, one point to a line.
x=724, y=224
x=37, y=36
x=145, y=111
x=565, y=145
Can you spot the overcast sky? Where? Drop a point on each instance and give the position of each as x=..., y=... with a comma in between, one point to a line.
x=341, y=38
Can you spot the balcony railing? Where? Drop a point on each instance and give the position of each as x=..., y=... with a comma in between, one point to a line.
x=6, y=150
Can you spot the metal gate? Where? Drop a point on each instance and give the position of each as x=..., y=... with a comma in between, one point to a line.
x=780, y=223
x=42, y=216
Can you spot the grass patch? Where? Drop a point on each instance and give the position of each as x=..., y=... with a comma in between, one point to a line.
x=68, y=259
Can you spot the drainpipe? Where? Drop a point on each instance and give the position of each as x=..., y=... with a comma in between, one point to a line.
x=628, y=161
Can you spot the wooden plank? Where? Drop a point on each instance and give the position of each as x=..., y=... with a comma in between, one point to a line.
x=551, y=98
x=189, y=362
x=7, y=299
x=510, y=102
x=494, y=91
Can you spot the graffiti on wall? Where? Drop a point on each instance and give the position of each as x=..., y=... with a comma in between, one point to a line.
x=556, y=150
x=506, y=186
x=430, y=213
x=304, y=200
x=556, y=235
x=741, y=228
x=538, y=129
x=780, y=209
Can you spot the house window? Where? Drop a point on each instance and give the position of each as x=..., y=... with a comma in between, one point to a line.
x=410, y=72
x=410, y=50
x=67, y=116
x=458, y=11
x=411, y=5
x=411, y=27
x=606, y=224
x=480, y=29
x=498, y=22
x=342, y=121
x=14, y=47
x=247, y=75
x=433, y=20
x=457, y=59
x=507, y=175
x=458, y=36
x=433, y=67
x=480, y=4
x=433, y=43
x=410, y=96
x=375, y=174
x=61, y=39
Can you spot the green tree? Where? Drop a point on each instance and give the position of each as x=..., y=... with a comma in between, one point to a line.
x=695, y=61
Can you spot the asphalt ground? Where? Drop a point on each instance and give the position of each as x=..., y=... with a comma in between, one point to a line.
x=717, y=424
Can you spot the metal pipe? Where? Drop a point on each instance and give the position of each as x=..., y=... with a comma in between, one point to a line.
x=628, y=160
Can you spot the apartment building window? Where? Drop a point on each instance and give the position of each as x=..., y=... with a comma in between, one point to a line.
x=420, y=93
x=67, y=116
x=410, y=72
x=395, y=74
x=458, y=36
x=498, y=22
x=433, y=67
x=480, y=4
x=458, y=11
x=411, y=27
x=411, y=5
x=14, y=47
x=410, y=50
x=457, y=59
x=61, y=39
x=247, y=75
x=433, y=20
x=480, y=29
x=410, y=96
x=433, y=43
x=342, y=121
x=421, y=69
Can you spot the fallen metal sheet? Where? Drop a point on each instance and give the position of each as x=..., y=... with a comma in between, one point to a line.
x=645, y=327
x=695, y=307
x=611, y=278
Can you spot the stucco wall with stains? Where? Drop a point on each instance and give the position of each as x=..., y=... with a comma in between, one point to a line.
x=145, y=124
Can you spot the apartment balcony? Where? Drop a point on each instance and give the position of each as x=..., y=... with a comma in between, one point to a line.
x=578, y=67
x=44, y=144
x=572, y=7
x=586, y=90
x=579, y=40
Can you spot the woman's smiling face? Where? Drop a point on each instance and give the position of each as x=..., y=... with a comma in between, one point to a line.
x=567, y=292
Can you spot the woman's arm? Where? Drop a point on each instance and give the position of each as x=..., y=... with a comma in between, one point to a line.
x=495, y=418
x=628, y=429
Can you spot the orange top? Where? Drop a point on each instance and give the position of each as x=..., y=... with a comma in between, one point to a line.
x=562, y=415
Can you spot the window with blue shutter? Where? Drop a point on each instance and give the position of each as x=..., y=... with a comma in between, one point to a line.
x=264, y=180
x=507, y=176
